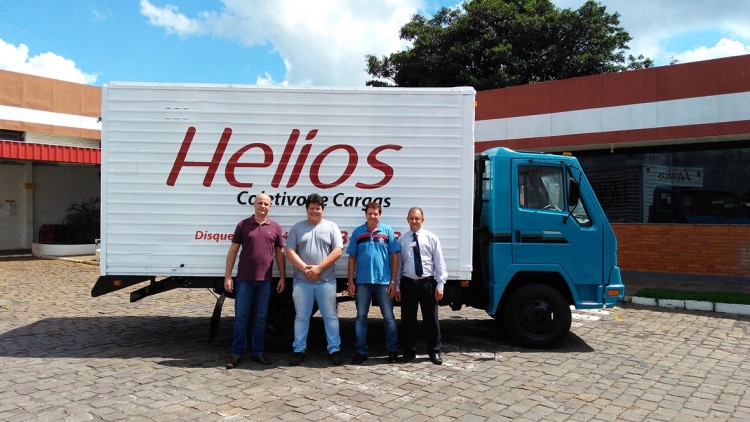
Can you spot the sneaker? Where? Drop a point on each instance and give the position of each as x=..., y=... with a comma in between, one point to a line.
x=297, y=359
x=392, y=357
x=336, y=358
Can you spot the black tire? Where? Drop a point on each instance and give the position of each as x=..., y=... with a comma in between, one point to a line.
x=537, y=316
x=500, y=322
x=280, y=323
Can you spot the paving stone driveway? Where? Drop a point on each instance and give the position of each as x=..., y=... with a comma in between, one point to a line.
x=67, y=356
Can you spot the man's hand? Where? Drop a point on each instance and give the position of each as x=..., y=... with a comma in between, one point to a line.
x=392, y=290
x=350, y=288
x=280, y=286
x=313, y=272
x=398, y=296
x=438, y=294
x=229, y=284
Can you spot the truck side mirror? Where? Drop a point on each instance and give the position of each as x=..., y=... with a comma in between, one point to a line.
x=574, y=192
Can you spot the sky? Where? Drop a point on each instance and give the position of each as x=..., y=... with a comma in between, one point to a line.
x=295, y=42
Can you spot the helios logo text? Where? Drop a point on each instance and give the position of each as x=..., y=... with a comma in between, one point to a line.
x=286, y=157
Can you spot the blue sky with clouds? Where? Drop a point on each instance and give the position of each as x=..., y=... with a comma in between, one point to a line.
x=295, y=42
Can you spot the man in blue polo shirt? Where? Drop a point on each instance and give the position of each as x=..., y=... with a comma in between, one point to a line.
x=373, y=251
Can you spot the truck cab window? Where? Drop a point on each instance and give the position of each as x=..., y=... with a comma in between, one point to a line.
x=577, y=208
x=541, y=188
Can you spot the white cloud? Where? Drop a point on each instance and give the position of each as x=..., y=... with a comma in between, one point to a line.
x=101, y=16
x=724, y=48
x=655, y=23
x=48, y=65
x=267, y=79
x=324, y=42
x=169, y=18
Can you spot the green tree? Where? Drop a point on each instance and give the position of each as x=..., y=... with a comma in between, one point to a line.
x=498, y=43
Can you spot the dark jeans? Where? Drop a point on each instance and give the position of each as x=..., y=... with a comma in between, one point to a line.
x=249, y=296
x=422, y=295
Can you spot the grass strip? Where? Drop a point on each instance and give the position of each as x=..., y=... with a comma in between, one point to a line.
x=716, y=297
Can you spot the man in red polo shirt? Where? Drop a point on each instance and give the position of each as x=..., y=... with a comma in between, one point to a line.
x=261, y=240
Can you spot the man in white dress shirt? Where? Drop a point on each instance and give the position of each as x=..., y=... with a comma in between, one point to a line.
x=422, y=275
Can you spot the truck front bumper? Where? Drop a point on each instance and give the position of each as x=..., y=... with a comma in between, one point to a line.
x=614, y=291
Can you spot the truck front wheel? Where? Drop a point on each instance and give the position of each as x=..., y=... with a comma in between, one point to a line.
x=537, y=316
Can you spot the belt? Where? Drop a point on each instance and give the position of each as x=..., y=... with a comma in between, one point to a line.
x=419, y=280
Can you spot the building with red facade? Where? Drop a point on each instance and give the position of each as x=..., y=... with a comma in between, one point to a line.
x=666, y=150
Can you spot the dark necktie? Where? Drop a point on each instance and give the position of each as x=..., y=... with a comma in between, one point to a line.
x=417, y=256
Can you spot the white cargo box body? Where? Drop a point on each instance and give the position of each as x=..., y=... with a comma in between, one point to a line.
x=181, y=165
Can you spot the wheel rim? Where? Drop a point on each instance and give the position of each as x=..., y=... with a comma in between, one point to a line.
x=537, y=318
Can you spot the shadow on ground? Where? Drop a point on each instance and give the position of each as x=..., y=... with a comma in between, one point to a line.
x=183, y=341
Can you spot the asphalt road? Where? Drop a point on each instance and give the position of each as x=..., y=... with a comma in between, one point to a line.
x=67, y=356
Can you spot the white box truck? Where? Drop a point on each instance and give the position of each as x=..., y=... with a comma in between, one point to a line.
x=181, y=165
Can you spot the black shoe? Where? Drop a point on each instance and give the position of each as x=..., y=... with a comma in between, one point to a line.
x=435, y=358
x=409, y=356
x=359, y=358
x=392, y=357
x=234, y=362
x=297, y=359
x=336, y=358
x=262, y=359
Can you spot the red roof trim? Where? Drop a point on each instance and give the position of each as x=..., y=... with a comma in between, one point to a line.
x=44, y=152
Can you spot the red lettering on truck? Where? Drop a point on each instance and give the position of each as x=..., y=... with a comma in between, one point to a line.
x=212, y=165
x=286, y=157
x=206, y=235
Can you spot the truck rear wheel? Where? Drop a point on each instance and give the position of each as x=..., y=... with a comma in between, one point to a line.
x=280, y=323
x=537, y=315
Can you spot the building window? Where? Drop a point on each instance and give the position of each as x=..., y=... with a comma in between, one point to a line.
x=688, y=184
x=11, y=135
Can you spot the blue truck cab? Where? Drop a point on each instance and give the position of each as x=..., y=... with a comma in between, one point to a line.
x=541, y=244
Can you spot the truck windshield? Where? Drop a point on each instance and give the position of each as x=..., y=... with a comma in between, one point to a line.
x=577, y=209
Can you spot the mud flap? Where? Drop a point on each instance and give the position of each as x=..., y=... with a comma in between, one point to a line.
x=216, y=317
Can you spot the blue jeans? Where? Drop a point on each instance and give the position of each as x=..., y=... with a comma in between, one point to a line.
x=249, y=296
x=363, y=297
x=304, y=294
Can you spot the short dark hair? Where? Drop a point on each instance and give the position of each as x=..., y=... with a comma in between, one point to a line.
x=374, y=205
x=314, y=198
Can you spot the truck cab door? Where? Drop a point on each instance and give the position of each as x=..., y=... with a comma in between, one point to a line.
x=548, y=229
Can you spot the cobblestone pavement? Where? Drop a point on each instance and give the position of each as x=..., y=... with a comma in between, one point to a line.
x=67, y=356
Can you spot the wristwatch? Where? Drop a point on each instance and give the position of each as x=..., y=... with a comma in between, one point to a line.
x=393, y=281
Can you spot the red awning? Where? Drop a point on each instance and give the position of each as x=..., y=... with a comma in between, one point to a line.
x=54, y=153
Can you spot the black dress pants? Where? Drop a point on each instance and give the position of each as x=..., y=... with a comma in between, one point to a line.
x=420, y=294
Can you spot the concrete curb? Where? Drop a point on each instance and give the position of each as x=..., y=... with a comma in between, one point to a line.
x=70, y=259
x=691, y=305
